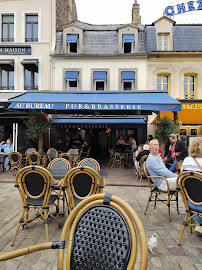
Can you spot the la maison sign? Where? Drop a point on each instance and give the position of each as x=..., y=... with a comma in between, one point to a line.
x=183, y=7
x=8, y=50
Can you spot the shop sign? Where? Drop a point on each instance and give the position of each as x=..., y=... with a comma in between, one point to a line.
x=84, y=106
x=87, y=125
x=183, y=7
x=7, y=50
x=193, y=106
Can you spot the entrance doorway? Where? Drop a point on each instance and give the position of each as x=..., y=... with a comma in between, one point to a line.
x=187, y=131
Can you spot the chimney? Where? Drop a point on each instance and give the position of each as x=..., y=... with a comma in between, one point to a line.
x=136, y=18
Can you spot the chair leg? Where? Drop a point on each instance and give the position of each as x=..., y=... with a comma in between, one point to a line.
x=182, y=229
x=156, y=196
x=18, y=227
x=145, y=211
x=168, y=204
x=46, y=223
x=26, y=218
x=177, y=202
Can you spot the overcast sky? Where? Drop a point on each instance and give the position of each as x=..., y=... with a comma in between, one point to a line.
x=119, y=11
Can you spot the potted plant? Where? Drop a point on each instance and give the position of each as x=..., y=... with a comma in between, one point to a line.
x=37, y=125
x=165, y=127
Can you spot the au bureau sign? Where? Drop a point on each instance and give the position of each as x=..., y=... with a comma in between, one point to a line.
x=8, y=50
x=86, y=106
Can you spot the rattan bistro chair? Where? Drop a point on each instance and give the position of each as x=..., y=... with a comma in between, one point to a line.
x=34, y=158
x=79, y=183
x=60, y=164
x=103, y=232
x=15, y=159
x=157, y=195
x=52, y=153
x=90, y=162
x=140, y=172
x=190, y=185
x=67, y=156
x=35, y=185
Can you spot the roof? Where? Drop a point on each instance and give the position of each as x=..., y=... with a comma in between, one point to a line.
x=99, y=39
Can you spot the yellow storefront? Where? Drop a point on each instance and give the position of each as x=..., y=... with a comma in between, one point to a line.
x=189, y=118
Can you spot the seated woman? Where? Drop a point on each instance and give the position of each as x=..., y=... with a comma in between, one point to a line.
x=139, y=149
x=194, y=163
x=121, y=143
x=8, y=148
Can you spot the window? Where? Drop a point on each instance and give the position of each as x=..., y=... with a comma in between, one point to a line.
x=128, y=43
x=7, y=77
x=163, y=82
x=100, y=80
x=71, y=78
x=31, y=28
x=30, y=74
x=72, y=43
x=128, y=80
x=7, y=28
x=163, y=42
x=189, y=86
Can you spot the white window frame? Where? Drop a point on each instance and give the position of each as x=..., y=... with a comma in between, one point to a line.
x=15, y=23
x=23, y=23
x=22, y=73
x=105, y=86
x=132, y=86
x=68, y=88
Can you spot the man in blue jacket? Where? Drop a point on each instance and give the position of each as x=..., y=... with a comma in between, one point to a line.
x=156, y=167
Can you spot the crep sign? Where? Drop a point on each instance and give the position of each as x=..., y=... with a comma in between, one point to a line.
x=183, y=7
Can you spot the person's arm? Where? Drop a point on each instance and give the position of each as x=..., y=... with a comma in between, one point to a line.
x=2, y=146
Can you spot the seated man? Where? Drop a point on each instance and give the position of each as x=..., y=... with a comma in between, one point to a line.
x=156, y=167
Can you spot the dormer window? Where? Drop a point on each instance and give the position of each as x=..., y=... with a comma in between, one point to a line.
x=128, y=43
x=128, y=80
x=100, y=80
x=71, y=78
x=72, y=43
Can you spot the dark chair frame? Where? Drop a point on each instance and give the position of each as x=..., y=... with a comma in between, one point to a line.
x=193, y=195
x=134, y=224
x=157, y=195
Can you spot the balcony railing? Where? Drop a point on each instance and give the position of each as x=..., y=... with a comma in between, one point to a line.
x=6, y=87
x=31, y=39
x=7, y=39
x=30, y=87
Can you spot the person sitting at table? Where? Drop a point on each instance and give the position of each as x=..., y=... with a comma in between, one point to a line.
x=85, y=147
x=145, y=152
x=133, y=143
x=121, y=143
x=194, y=163
x=8, y=148
x=139, y=149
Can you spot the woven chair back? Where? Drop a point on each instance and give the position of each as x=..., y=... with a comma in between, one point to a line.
x=90, y=162
x=107, y=229
x=15, y=159
x=34, y=182
x=73, y=152
x=59, y=163
x=52, y=153
x=191, y=186
x=66, y=156
x=30, y=150
x=34, y=158
x=142, y=161
x=81, y=182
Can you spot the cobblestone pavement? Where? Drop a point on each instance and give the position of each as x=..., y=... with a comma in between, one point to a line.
x=168, y=254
